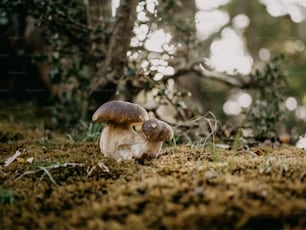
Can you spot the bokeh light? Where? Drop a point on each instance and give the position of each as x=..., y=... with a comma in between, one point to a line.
x=159, y=41
x=210, y=22
x=244, y=100
x=299, y=45
x=231, y=107
x=209, y=4
x=115, y=5
x=300, y=113
x=228, y=54
x=291, y=103
x=296, y=9
x=264, y=54
x=241, y=21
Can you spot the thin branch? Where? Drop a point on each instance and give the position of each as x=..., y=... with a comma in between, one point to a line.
x=46, y=170
x=48, y=174
x=212, y=125
x=198, y=69
x=9, y=160
x=231, y=81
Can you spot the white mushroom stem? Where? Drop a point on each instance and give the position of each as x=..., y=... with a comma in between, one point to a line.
x=153, y=147
x=148, y=148
x=116, y=141
x=155, y=133
x=121, y=141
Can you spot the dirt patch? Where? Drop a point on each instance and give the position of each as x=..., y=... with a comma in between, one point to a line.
x=72, y=186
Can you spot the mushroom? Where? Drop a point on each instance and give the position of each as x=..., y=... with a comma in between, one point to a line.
x=155, y=132
x=118, y=139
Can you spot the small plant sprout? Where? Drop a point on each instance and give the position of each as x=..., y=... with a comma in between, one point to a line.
x=234, y=150
x=206, y=126
x=85, y=132
x=121, y=137
x=6, y=196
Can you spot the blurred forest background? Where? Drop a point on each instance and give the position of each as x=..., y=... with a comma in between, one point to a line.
x=242, y=60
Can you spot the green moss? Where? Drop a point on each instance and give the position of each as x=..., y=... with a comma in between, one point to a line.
x=7, y=196
x=182, y=189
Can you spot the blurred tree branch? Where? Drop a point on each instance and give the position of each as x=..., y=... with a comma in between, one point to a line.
x=112, y=68
x=198, y=68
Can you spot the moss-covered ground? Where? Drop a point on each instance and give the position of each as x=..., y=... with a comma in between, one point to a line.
x=70, y=185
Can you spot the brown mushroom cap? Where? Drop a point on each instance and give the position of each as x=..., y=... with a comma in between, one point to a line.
x=157, y=130
x=120, y=112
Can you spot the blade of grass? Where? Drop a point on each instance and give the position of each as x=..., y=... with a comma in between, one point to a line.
x=234, y=150
x=48, y=174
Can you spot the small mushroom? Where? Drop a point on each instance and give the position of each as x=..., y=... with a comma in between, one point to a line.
x=155, y=132
x=118, y=137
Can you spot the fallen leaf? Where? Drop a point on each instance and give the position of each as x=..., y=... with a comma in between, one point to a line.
x=30, y=160
x=9, y=160
x=260, y=152
x=223, y=146
x=284, y=138
x=103, y=167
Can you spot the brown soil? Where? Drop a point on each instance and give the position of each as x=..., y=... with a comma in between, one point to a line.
x=264, y=188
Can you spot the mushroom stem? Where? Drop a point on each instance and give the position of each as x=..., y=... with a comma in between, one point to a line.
x=155, y=133
x=116, y=141
x=153, y=148
x=147, y=148
x=122, y=142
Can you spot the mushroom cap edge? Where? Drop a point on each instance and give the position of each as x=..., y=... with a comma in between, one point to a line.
x=157, y=130
x=120, y=112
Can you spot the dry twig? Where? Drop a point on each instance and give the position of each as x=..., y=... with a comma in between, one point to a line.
x=47, y=169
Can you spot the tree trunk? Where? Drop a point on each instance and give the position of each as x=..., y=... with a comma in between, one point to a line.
x=111, y=71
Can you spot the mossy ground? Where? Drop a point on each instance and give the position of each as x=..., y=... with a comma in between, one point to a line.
x=184, y=188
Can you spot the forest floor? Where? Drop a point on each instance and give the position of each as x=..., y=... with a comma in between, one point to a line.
x=56, y=183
